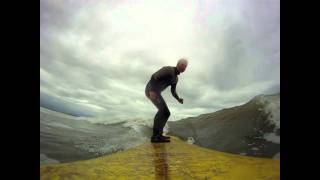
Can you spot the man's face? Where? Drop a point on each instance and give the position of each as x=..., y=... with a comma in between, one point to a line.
x=181, y=67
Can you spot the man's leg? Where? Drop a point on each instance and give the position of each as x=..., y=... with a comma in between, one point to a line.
x=161, y=116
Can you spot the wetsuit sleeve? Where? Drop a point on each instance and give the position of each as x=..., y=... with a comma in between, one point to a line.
x=173, y=91
x=163, y=73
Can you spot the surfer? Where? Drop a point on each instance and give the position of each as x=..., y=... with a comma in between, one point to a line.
x=160, y=80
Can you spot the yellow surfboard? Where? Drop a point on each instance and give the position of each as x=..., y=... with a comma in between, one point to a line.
x=174, y=160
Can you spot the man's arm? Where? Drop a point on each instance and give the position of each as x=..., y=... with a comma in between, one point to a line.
x=173, y=91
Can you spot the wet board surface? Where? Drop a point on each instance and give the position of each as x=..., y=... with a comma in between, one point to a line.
x=174, y=160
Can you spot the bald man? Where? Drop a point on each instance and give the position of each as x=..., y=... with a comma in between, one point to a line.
x=160, y=80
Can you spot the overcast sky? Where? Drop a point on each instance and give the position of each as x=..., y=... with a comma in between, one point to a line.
x=97, y=56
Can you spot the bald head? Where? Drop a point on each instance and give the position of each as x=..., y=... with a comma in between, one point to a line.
x=182, y=65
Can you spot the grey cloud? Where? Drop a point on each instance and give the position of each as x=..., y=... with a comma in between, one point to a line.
x=60, y=105
x=237, y=59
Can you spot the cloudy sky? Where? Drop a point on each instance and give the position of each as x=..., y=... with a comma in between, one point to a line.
x=97, y=56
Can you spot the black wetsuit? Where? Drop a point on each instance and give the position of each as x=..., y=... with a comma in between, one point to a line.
x=160, y=80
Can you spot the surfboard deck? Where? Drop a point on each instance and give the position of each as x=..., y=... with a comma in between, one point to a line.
x=174, y=160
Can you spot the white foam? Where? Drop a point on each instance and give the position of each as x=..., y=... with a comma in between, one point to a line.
x=272, y=137
x=136, y=124
x=271, y=106
x=46, y=160
x=101, y=120
x=190, y=140
x=276, y=156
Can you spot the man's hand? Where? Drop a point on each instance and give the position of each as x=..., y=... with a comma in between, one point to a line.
x=180, y=100
x=153, y=95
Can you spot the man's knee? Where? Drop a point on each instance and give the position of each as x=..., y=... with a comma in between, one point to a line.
x=166, y=112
